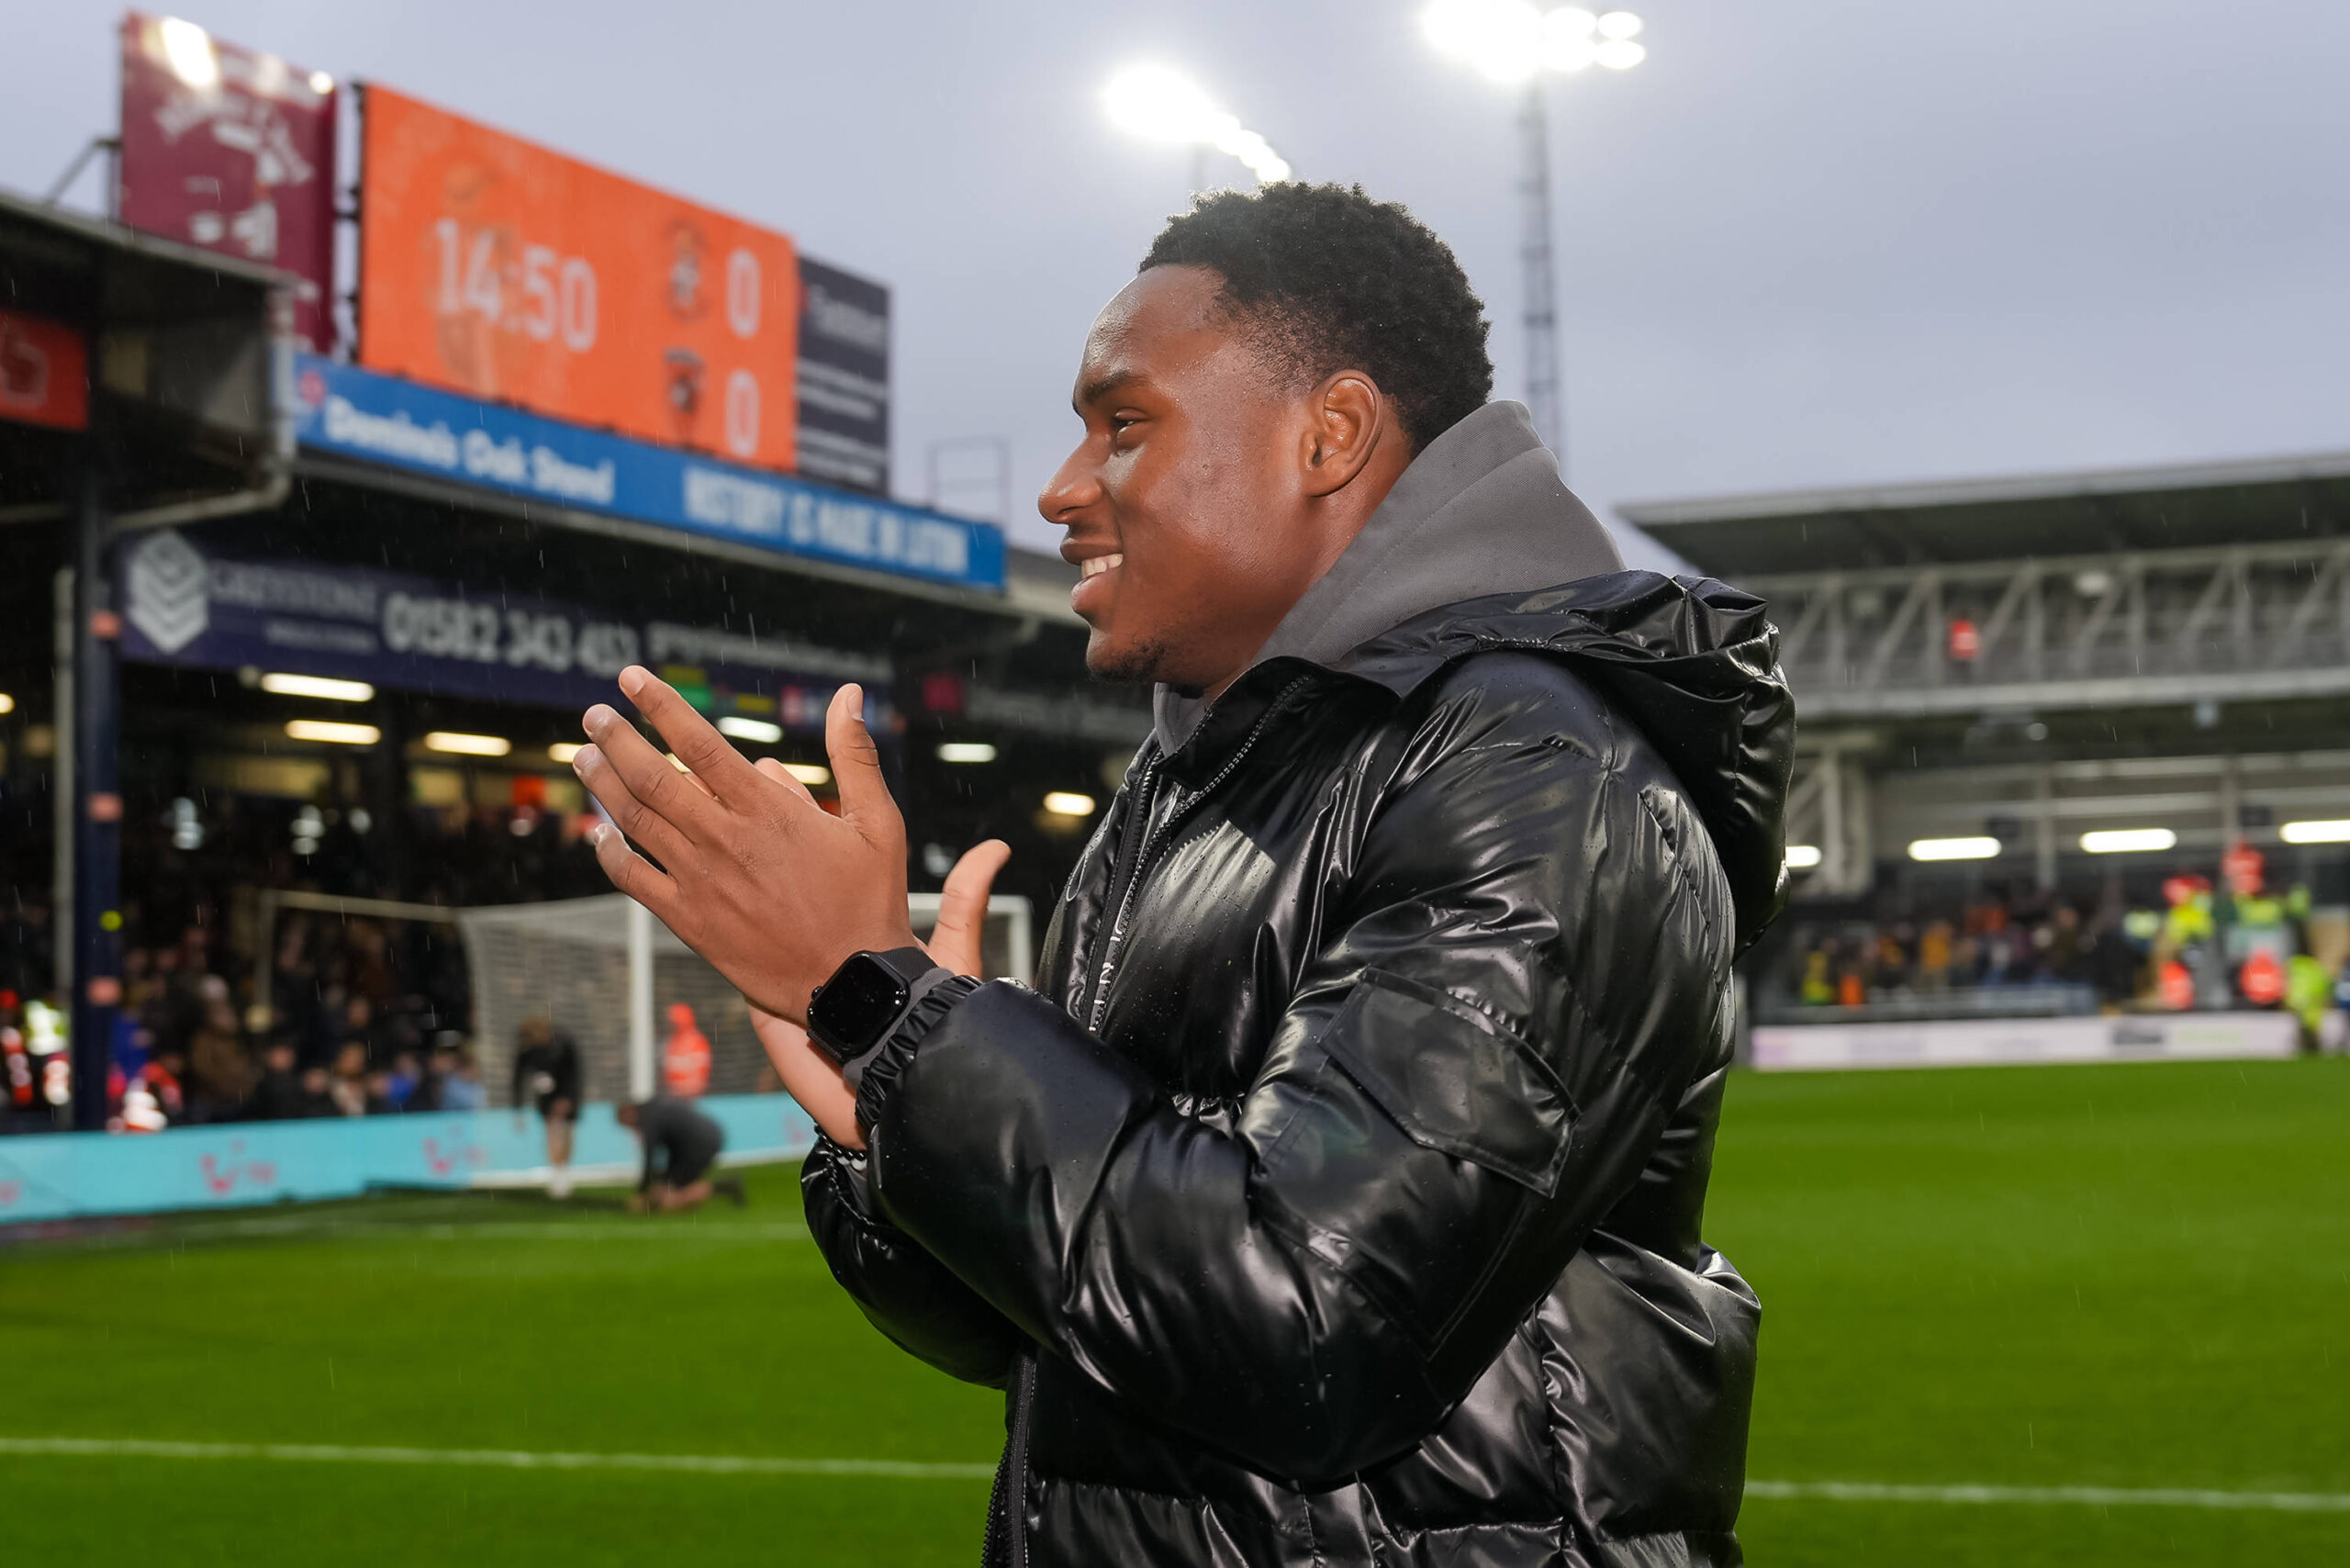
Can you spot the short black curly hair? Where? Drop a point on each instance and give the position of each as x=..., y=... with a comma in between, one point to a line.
x=1328, y=279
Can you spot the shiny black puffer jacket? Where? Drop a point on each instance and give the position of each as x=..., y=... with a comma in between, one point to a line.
x=1336, y=1198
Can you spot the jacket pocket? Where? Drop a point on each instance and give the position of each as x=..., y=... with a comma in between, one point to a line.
x=1454, y=1080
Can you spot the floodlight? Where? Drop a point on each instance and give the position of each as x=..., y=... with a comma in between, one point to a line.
x=1802, y=857
x=815, y=775
x=319, y=686
x=2334, y=831
x=1069, y=803
x=188, y=49
x=1162, y=105
x=322, y=83
x=2128, y=840
x=7, y=703
x=1619, y=25
x=966, y=751
x=563, y=751
x=1977, y=848
x=1502, y=39
x=332, y=732
x=460, y=744
x=1620, y=54
x=743, y=729
x=1567, y=47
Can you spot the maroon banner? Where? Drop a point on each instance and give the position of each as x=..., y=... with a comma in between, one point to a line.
x=232, y=149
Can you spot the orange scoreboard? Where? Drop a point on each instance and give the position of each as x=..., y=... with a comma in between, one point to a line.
x=495, y=267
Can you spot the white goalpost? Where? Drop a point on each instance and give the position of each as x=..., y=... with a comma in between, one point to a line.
x=609, y=974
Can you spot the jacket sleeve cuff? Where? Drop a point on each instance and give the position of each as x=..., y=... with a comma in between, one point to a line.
x=876, y=1074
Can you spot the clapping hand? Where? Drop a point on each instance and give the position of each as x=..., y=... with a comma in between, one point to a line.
x=758, y=879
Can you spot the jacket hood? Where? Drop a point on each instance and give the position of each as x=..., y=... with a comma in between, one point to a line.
x=1481, y=544
x=1693, y=663
x=1481, y=510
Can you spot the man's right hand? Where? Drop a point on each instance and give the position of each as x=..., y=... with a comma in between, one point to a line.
x=808, y=1074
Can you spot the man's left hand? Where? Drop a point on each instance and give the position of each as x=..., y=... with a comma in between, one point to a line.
x=754, y=874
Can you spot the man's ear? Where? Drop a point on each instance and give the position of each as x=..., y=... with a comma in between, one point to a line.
x=1348, y=422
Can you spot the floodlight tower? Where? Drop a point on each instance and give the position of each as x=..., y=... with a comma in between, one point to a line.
x=1166, y=106
x=1517, y=44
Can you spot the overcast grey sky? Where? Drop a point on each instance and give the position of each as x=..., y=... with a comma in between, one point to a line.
x=1815, y=242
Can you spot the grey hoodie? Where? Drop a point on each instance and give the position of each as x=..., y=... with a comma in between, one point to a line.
x=1481, y=510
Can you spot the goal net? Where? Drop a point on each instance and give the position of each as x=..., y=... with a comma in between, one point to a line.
x=606, y=972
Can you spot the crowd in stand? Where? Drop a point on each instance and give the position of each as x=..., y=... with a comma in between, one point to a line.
x=363, y=1016
x=2207, y=947
x=1983, y=944
x=361, y=1022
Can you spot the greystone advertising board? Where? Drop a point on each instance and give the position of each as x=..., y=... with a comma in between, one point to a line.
x=186, y=602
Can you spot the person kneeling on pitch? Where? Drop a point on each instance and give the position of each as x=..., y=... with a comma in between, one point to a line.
x=680, y=1147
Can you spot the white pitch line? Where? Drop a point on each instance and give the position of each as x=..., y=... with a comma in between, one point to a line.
x=495, y=1459
x=733, y=1464
x=2091, y=1497
x=648, y=1228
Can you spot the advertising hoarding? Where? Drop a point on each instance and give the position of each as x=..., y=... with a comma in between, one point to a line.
x=498, y=268
x=381, y=418
x=844, y=378
x=186, y=602
x=2015, y=1042
x=233, y=151
x=72, y=1175
x=44, y=373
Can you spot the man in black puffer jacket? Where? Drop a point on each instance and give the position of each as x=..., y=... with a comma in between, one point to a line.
x=1335, y=1197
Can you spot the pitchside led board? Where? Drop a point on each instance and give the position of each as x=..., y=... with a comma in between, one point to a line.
x=498, y=268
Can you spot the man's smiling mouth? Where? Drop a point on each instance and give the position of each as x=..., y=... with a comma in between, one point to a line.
x=1094, y=566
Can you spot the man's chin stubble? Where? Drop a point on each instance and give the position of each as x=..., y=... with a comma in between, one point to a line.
x=1140, y=666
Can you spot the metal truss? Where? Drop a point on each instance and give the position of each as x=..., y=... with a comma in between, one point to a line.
x=2261, y=621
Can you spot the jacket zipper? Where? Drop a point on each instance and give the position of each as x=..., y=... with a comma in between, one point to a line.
x=1126, y=880
x=1124, y=874
x=1017, y=1501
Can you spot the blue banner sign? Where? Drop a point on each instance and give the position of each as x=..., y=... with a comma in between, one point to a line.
x=72, y=1175
x=357, y=413
x=186, y=603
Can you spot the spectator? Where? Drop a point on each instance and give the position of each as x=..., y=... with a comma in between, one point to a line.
x=318, y=1093
x=348, y=1087
x=461, y=1085
x=278, y=1096
x=220, y=1073
x=404, y=1081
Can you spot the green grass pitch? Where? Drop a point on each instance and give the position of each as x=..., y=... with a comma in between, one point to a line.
x=2132, y=1277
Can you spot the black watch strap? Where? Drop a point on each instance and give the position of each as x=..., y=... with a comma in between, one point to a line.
x=918, y=1005
x=856, y=1009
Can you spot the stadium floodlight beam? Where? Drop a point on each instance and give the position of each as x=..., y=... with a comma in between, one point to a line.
x=743, y=729
x=332, y=733
x=1803, y=857
x=1514, y=43
x=1971, y=849
x=1162, y=105
x=326, y=688
x=455, y=743
x=2129, y=840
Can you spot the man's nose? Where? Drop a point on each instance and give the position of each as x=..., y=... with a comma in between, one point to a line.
x=1069, y=491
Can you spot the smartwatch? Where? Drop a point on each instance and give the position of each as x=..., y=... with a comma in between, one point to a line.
x=854, y=1012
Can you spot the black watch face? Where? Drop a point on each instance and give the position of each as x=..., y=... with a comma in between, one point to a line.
x=861, y=1000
